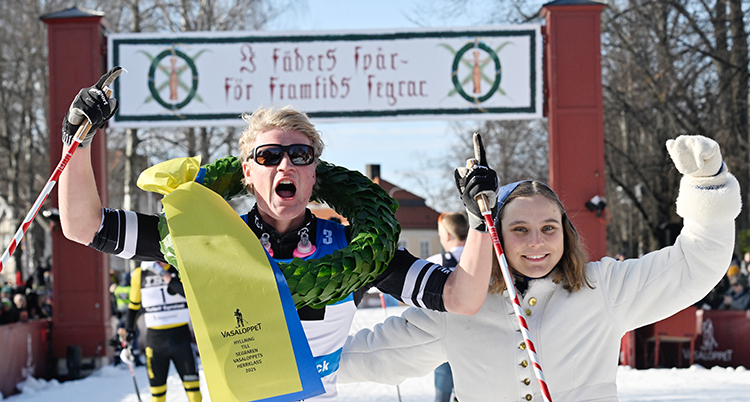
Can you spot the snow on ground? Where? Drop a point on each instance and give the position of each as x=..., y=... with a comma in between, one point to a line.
x=696, y=384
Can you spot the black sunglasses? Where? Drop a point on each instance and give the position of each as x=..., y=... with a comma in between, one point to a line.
x=271, y=154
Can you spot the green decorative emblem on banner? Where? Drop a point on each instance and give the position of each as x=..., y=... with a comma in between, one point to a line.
x=167, y=81
x=477, y=86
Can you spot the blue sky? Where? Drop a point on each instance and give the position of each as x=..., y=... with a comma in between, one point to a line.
x=398, y=147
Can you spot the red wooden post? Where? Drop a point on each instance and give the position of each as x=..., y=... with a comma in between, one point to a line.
x=627, y=349
x=77, y=58
x=576, y=129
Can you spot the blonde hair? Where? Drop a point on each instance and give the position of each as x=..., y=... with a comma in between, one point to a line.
x=287, y=119
x=571, y=269
x=455, y=224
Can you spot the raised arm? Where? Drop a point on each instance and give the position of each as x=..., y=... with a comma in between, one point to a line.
x=80, y=207
x=79, y=203
x=467, y=286
x=665, y=281
x=424, y=284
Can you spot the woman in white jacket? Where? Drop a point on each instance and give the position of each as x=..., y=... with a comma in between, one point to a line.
x=576, y=312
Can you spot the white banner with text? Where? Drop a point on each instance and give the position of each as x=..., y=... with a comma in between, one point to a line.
x=212, y=78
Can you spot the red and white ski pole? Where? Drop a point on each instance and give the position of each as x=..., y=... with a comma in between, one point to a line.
x=490, y=223
x=80, y=135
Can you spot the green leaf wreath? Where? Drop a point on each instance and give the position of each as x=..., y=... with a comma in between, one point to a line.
x=371, y=214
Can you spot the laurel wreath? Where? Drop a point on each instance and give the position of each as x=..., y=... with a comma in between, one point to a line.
x=371, y=212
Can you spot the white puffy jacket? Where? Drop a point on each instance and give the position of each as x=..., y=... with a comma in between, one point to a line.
x=577, y=335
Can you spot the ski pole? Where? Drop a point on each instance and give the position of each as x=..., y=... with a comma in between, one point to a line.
x=80, y=135
x=127, y=356
x=382, y=304
x=490, y=223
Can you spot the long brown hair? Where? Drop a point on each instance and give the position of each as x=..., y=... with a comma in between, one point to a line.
x=571, y=269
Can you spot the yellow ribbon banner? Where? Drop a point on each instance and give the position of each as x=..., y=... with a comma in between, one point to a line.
x=251, y=342
x=165, y=177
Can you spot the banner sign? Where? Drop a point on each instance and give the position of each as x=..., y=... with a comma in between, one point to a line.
x=723, y=339
x=212, y=78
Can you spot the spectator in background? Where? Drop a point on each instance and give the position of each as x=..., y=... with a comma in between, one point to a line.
x=737, y=297
x=32, y=305
x=45, y=304
x=121, y=294
x=35, y=302
x=26, y=285
x=23, y=312
x=715, y=297
x=114, y=282
x=48, y=279
x=157, y=292
x=452, y=230
x=733, y=272
x=5, y=305
x=11, y=313
x=6, y=292
x=745, y=264
x=39, y=278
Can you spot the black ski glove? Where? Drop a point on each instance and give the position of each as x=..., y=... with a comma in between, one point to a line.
x=176, y=287
x=115, y=342
x=479, y=179
x=91, y=103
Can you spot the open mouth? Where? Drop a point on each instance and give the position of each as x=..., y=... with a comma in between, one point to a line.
x=286, y=189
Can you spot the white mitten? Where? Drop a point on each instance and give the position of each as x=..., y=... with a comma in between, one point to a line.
x=695, y=155
x=708, y=192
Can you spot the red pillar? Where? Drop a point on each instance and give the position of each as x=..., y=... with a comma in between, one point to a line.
x=77, y=58
x=574, y=104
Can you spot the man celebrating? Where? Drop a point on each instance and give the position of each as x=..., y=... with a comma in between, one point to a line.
x=279, y=150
